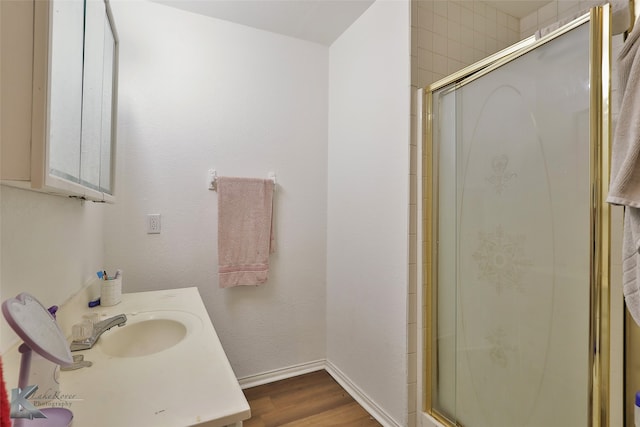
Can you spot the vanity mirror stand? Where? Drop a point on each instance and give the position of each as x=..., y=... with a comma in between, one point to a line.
x=38, y=328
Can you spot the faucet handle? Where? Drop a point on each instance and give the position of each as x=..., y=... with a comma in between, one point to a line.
x=82, y=331
x=93, y=318
x=78, y=362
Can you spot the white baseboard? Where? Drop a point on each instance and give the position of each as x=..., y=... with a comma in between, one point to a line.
x=359, y=396
x=281, y=374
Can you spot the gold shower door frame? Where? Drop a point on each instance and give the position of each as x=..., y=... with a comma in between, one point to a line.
x=599, y=135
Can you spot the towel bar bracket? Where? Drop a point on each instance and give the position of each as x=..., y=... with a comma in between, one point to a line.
x=212, y=180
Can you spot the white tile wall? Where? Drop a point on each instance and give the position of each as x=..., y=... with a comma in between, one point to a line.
x=553, y=12
x=454, y=34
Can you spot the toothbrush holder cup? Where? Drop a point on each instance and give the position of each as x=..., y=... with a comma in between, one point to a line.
x=111, y=292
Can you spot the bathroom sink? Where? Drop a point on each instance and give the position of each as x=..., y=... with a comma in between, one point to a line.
x=147, y=333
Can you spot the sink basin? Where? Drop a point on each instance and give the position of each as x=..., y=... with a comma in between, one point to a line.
x=148, y=333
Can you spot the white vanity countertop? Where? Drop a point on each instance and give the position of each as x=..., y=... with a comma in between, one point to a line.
x=188, y=384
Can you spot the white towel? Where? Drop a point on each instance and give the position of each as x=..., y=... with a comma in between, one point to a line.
x=625, y=168
x=630, y=262
x=245, y=233
x=625, y=154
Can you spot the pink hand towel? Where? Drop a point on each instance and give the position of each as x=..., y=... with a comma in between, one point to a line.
x=245, y=234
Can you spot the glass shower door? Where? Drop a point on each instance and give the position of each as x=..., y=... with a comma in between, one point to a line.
x=512, y=289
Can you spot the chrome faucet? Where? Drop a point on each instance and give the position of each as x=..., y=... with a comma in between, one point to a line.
x=98, y=329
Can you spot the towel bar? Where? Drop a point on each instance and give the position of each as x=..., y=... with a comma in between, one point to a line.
x=633, y=12
x=212, y=179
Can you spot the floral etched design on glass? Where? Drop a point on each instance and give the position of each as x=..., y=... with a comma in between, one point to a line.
x=499, y=347
x=501, y=259
x=501, y=177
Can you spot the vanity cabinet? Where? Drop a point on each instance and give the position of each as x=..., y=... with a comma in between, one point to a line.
x=59, y=97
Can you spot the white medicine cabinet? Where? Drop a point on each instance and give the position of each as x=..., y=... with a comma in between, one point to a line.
x=59, y=97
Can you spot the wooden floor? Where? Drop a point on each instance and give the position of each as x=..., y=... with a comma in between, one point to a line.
x=314, y=399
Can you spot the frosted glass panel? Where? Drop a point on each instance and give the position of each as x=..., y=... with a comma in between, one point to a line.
x=92, y=95
x=512, y=154
x=98, y=99
x=67, y=23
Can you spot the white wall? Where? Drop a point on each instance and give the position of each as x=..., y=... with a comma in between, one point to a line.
x=49, y=246
x=199, y=93
x=367, y=239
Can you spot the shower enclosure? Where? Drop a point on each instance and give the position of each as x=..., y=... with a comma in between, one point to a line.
x=516, y=235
